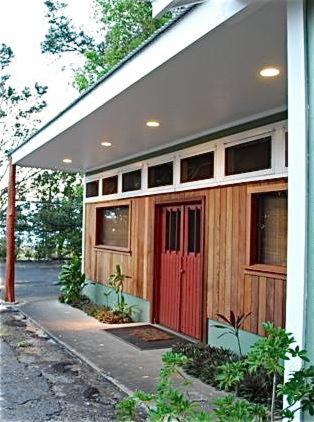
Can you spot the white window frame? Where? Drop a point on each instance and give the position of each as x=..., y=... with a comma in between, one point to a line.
x=218, y=146
x=129, y=169
x=249, y=174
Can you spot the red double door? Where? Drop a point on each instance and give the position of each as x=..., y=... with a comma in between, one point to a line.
x=178, y=271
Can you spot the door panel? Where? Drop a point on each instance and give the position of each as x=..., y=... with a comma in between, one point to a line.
x=179, y=268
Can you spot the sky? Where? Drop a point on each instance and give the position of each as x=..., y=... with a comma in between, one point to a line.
x=23, y=26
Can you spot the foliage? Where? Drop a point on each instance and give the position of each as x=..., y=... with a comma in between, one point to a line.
x=49, y=204
x=126, y=24
x=19, y=116
x=204, y=362
x=55, y=220
x=234, y=324
x=167, y=403
x=62, y=36
x=108, y=316
x=270, y=353
x=230, y=408
x=71, y=280
x=115, y=281
x=86, y=305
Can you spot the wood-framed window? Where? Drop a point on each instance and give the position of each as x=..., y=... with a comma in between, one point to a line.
x=113, y=224
x=110, y=185
x=92, y=189
x=249, y=156
x=267, y=228
x=132, y=180
x=197, y=167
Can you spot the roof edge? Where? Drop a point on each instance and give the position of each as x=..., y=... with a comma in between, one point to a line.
x=89, y=90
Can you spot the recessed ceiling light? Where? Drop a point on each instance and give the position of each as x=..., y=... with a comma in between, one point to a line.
x=106, y=144
x=152, y=123
x=269, y=72
x=67, y=160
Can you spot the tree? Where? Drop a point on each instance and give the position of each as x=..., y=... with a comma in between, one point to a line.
x=19, y=115
x=126, y=25
x=49, y=204
x=55, y=221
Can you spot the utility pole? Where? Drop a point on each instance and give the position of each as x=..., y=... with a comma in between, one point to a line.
x=9, y=295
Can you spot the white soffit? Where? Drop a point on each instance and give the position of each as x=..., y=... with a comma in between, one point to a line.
x=194, y=77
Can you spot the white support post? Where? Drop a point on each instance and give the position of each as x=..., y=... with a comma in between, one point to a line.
x=297, y=176
x=83, y=226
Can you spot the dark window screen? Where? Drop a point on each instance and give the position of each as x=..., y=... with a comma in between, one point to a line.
x=249, y=156
x=110, y=185
x=160, y=175
x=199, y=167
x=270, y=227
x=173, y=230
x=92, y=189
x=194, y=230
x=131, y=181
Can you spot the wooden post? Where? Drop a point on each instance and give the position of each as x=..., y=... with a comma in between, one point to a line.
x=10, y=236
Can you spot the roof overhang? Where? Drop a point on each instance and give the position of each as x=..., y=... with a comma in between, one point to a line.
x=199, y=75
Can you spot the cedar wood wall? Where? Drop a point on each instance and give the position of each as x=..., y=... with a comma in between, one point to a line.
x=227, y=284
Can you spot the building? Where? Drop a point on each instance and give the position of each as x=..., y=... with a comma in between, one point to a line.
x=187, y=148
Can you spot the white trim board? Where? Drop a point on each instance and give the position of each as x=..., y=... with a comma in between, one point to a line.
x=276, y=131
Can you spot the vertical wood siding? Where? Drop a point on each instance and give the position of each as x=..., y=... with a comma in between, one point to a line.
x=228, y=285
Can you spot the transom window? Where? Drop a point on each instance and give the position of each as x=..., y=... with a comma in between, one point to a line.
x=112, y=227
x=269, y=218
x=92, y=189
x=160, y=175
x=198, y=167
x=132, y=181
x=110, y=185
x=248, y=156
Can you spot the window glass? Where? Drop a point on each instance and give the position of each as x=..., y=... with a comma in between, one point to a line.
x=270, y=220
x=194, y=230
x=173, y=230
x=131, y=181
x=92, y=189
x=113, y=226
x=160, y=175
x=198, y=167
x=110, y=185
x=249, y=156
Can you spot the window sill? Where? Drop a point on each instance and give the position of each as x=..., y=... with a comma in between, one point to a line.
x=113, y=249
x=271, y=271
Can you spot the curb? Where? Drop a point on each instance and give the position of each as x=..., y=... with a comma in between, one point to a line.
x=81, y=357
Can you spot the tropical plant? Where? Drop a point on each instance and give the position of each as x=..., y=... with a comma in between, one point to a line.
x=167, y=403
x=116, y=281
x=234, y=324
x=71, y=281
x=232, y=409
x=270, y=353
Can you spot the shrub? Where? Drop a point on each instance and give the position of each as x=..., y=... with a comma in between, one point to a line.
x=71, y=281
x=205, y=361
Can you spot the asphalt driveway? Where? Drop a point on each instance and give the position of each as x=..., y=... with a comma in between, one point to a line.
x=34, y=280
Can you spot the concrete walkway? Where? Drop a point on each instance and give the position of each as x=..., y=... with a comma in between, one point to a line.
x=126, y=366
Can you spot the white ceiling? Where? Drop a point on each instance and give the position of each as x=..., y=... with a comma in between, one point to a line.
x=212, y=83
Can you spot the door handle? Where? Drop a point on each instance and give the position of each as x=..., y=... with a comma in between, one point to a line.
x=182, y=271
